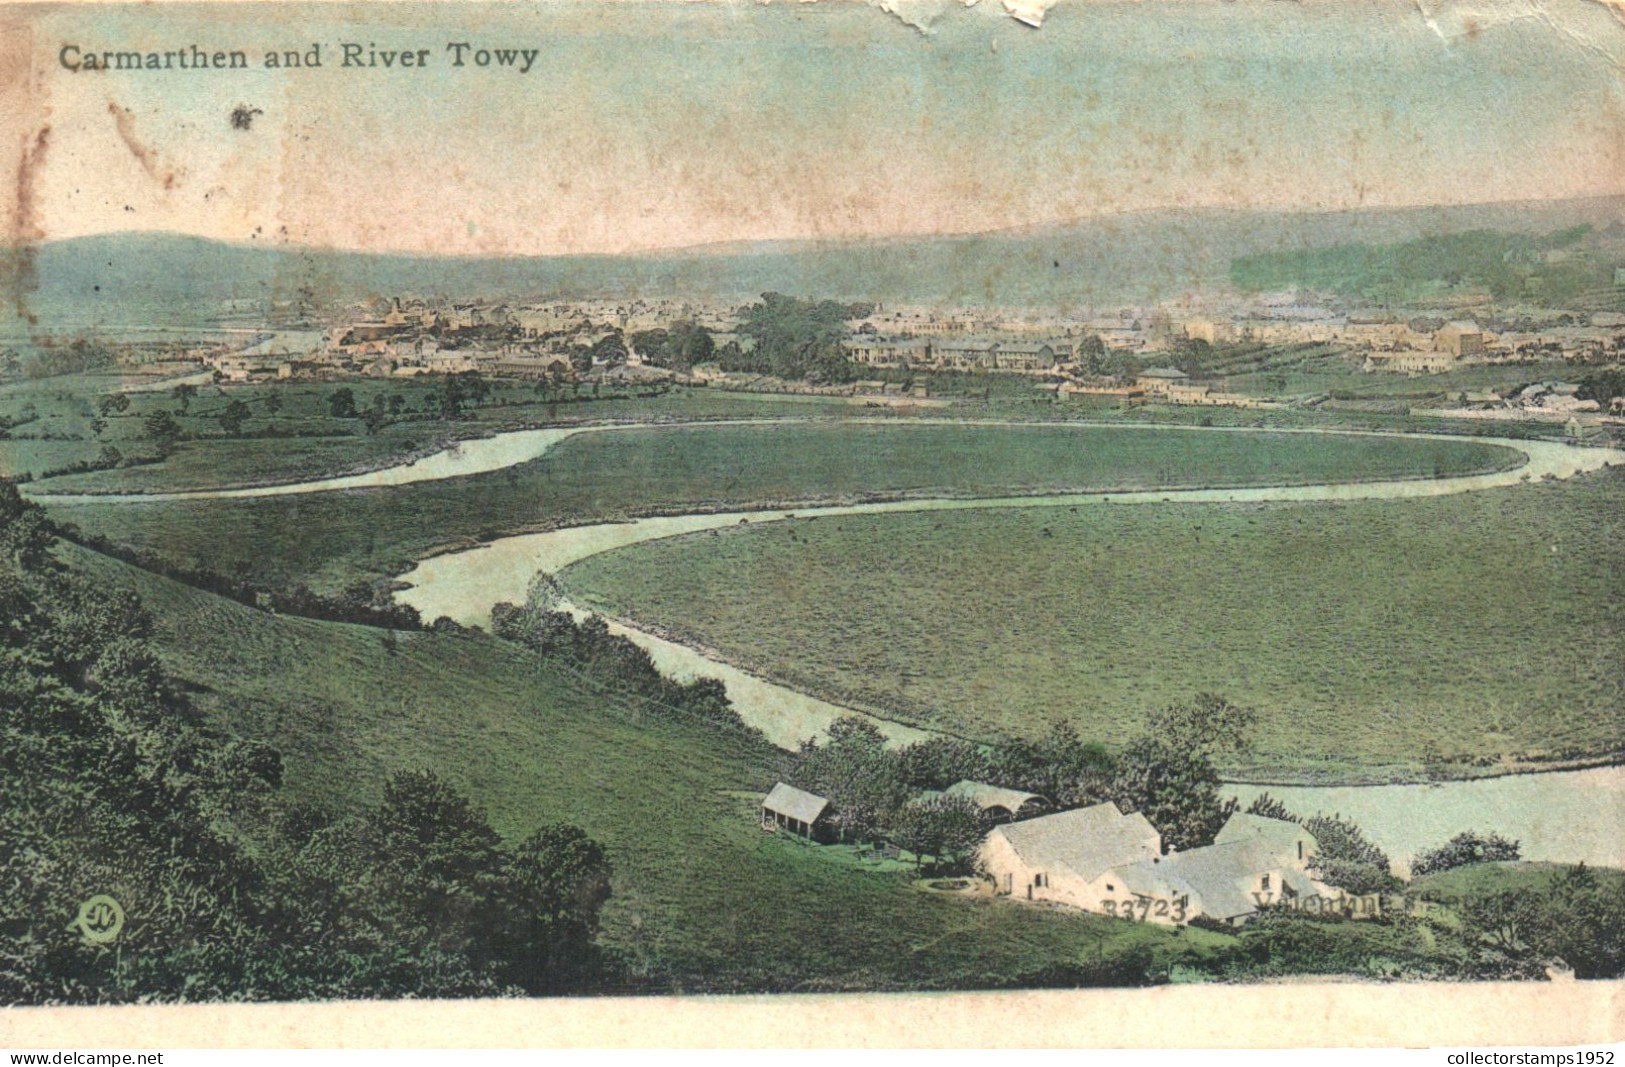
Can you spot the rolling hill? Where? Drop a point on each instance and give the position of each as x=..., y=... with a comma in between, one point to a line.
x=147, y=278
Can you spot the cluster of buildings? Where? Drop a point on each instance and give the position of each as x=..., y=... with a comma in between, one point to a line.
x=412, y=337
x=1100, y=860
x=1163, y=385
x=959, y=354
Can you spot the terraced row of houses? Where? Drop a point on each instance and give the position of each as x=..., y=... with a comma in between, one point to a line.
x=959, y=354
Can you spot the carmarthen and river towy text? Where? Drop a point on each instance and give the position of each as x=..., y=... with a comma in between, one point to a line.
x=469, y=55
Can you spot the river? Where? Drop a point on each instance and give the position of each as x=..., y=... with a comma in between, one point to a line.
x=1568, y=816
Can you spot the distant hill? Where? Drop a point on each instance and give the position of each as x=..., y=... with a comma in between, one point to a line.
x=145, y=278
x=1557, y=269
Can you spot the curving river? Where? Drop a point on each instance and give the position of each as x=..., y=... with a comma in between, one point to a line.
x=1569, y=816
x=1566, y=816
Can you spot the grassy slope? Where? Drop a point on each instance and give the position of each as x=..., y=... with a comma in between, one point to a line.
x=1489, y=625
x=329, y=539
x=702, y=897
x=1481, y=879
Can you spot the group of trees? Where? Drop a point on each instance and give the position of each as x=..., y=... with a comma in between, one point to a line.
x=366, y=603
x=679, y=348
x=111, y=785
x=1167, y=773
x=457, y=393
x=1464, y=849
x=1576, y=919
x=612, y=661
x=794, y=338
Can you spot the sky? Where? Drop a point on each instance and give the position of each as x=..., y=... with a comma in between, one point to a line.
x=660, y=125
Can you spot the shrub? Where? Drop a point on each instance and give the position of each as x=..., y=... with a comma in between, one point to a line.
x=1464, y=848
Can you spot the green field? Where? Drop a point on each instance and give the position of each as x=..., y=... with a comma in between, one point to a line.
x=703, y=900
x=1372, y=636
x=291, y=434
x=330, y=539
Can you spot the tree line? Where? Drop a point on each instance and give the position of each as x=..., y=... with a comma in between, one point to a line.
x=612, y=660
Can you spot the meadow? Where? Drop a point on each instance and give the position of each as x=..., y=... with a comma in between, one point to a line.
x=1379, y=640
x=331, y=539
x=703, y=899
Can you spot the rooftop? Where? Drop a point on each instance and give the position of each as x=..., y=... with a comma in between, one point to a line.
x=1087, y=841
x=796, y=803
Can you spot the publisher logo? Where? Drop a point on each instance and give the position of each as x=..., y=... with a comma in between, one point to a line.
x=100, y=919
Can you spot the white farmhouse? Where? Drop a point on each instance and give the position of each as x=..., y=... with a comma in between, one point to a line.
x=1062, y=857
x=1103, y=861
x=1254, y=862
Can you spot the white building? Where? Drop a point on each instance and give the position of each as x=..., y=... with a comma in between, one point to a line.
x=1062, y=857
x=1101, y=860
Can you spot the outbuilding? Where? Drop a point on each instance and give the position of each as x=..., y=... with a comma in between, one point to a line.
x=797, y=811
x=997, y=803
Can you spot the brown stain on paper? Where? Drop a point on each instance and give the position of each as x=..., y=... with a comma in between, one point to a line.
x=146, y=155
x=24, y=231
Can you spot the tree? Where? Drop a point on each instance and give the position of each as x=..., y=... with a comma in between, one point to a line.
x=233, y=417
x=183, y=394
x=341, y=404
x=1345, y=858
x=610, y=349
x=653, y=347
x=854, y=770
x=273, y=403
x=161, y=427
x=465, y=388
x=690, y=344
x=947, y=828
x=1060, y=767
x=939, y=762
x=800, y=338
x=113, y=403
x=1209, y=726
x=1168, y=773
x=1270, y=808
x=560, y=881
x=1092, y=355
x=1176, y=790
x=1464, y=849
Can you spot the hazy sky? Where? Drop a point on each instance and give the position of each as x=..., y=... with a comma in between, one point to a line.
x=660, y=125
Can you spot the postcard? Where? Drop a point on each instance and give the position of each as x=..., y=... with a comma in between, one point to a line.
x=747, y=514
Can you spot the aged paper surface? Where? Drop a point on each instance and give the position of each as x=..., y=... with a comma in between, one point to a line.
x=744, y=524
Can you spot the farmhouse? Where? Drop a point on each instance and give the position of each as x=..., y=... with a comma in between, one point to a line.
x=1062, y=857
x=797, y=811
x=1213, y=331
x=1101, y=860
x=1123, y=394
x=1227, y=882
x=1253, y=862
x=997, y=802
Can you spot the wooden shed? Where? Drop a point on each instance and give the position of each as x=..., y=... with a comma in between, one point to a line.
x=787, y=808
